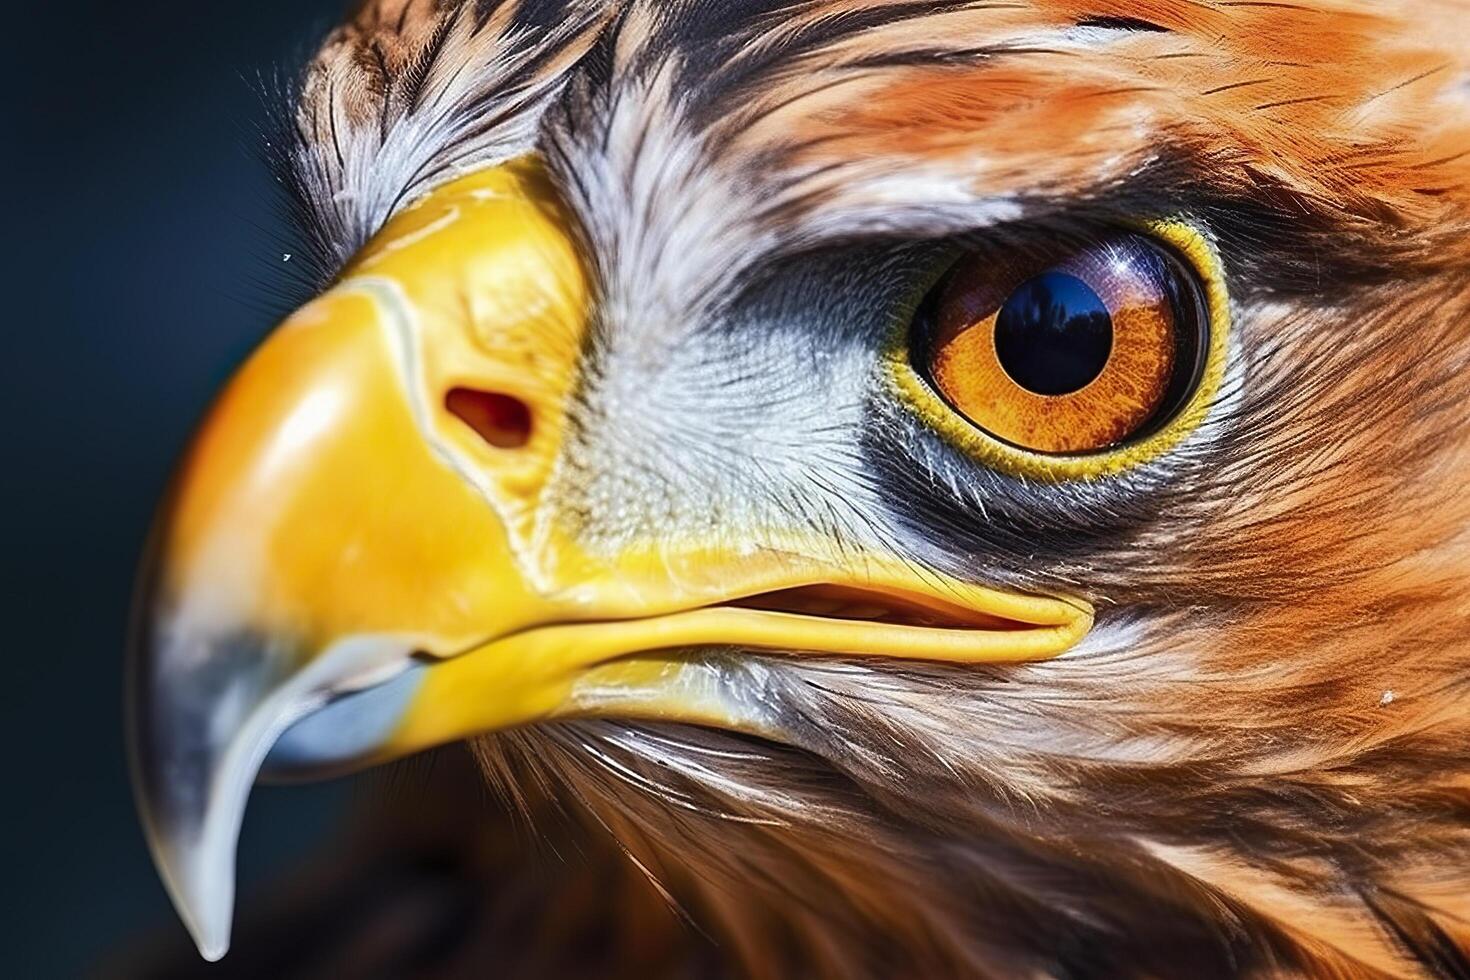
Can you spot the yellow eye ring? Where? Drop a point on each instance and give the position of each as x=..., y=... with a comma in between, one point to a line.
x=1114, y=415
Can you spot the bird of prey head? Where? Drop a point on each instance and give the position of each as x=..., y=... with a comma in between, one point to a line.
x=975, y=487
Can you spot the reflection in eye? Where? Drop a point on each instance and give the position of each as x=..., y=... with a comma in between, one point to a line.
x=1074, y=354
x=1053, y=335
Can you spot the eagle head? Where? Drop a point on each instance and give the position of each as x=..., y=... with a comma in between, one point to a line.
x=969, y=487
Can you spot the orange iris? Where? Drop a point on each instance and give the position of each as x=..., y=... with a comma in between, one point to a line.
x=1102, y=322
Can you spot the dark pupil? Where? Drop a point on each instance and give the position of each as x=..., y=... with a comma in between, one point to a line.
x=1053, y=334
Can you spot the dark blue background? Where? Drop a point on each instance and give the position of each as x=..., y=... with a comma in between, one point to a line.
x=141, y=247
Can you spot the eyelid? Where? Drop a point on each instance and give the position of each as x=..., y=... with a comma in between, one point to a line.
x=1200, y=255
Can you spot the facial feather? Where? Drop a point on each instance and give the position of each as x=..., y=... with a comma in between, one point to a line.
x=408, y=94
x=1228, y=770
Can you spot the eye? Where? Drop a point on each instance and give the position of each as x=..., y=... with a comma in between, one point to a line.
x=1076, y=353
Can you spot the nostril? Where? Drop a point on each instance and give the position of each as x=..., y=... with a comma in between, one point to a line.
x=501, y=420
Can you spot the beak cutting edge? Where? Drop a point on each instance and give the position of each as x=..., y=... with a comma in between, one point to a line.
x=346, y=570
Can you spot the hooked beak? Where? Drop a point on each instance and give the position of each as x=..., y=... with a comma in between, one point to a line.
x=360, y=558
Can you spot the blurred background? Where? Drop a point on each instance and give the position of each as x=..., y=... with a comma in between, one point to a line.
x=142, y=249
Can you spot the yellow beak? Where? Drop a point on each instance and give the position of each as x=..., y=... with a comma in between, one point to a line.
x=362, y=554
